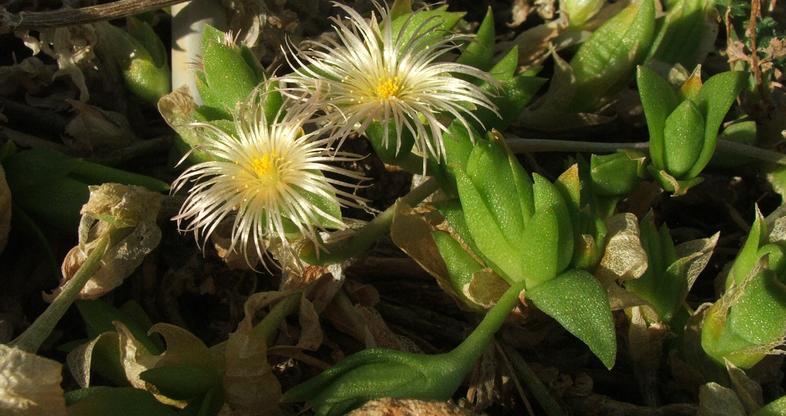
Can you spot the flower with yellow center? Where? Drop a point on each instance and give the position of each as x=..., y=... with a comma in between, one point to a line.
x=370, y=73
x=268, y=178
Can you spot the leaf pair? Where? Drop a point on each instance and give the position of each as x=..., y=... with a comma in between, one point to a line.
x=683, y=125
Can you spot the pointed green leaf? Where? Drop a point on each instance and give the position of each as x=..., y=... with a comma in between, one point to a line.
x=226, y=73
x=539, y=248
x=579, y=303
x=659, y=100
x=488, y=237
x=437, y=21
x=714, y=100
x=689, y=19
x=607, y=58
x=547, y=197
x=496, y=185
x=749, y=253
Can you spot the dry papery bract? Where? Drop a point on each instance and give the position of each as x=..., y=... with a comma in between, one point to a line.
x=112, y=207
x=29, y=384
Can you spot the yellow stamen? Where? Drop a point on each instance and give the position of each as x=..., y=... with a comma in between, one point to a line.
x=266, y=167
x=388, y=87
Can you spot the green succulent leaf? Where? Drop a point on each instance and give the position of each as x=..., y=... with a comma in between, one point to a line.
x=227, y=76
x=686, y=19
x=490, y=240
x=608, y=57
x=615, y=174
x=579, y=303
x=659, y=100
x=430, y=25
x=715, y=98
x=683, y=138
x=486, y=168
x=748, y=255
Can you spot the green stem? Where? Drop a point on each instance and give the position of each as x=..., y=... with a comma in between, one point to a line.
x=35, y=335
x=362, y=239
x=520, y=145
x=268, y=326
x=471, y=348
x=533, y=383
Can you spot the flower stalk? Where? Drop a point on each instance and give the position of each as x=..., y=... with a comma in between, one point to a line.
x=35, y=335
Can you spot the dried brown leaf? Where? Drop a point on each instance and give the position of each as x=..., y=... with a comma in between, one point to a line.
x=716, y=400
x=409, y=407
x=624, y=257
x=95, y=129
x=748, y=391
x=31, y=76
x=483, y=380
x=113, y=206
x=80, y=359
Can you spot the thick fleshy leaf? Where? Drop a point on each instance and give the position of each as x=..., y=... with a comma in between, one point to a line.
x=715, y=98
x=683, y=139
x=547, y=197
x=774, y=408
x=490, y=240
x=609, y=56
x=749, y=253
x=439, y=20
x=616, y=174
x=696, y=20
x=658, y=100
x=487, y=168
x=540, y=249
x=226, y=73
x=579, y=303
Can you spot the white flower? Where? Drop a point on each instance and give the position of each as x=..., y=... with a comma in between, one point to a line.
x=369, y=74
x=268, y=174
